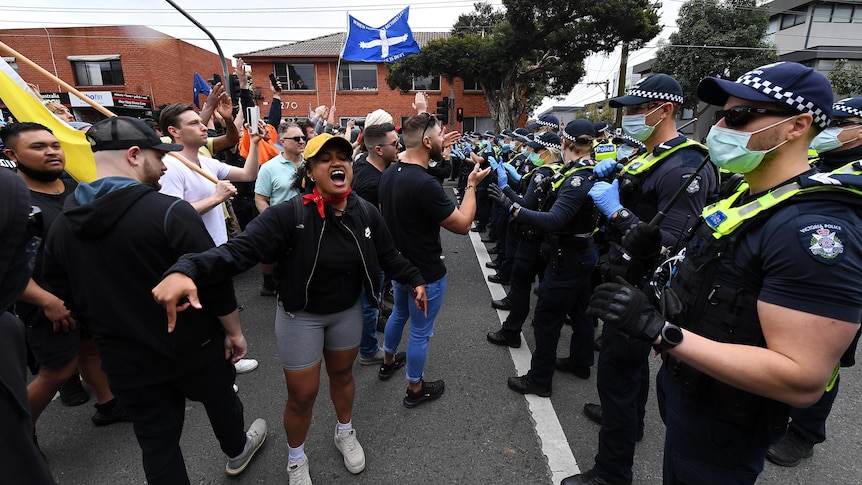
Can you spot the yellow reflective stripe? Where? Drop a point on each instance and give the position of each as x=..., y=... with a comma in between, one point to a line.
x=647, y=161
x=833, y=378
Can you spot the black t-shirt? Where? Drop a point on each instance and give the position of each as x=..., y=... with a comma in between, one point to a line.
x=366, y=178
x=414, y=204
x=337, y=279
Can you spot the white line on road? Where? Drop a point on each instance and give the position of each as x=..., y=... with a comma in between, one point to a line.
x=555, y=446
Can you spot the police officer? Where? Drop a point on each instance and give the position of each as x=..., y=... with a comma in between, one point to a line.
x=647, y=185
x=604, y=146
x=567, y=220
x=839, y=146
x=544, y=124
x=527, y=263
x=751, y=336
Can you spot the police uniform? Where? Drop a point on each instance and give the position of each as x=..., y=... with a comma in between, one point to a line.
x=769, y=247
x=647, y=184
x=527, y=262
x=568, y=221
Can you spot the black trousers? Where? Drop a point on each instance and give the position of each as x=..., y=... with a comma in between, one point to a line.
x=158, y=412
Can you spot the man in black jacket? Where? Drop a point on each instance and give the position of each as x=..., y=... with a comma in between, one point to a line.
x=120, y=228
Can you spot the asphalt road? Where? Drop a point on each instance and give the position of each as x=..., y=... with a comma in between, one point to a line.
x=479, y=432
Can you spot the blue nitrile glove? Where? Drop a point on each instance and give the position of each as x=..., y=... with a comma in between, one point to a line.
x=502, y=178
x=493, y=162
x=606, y=167
x=457, y=153
x=607, y=197
x=513, y=172
x=467, y=149
x=486, y=146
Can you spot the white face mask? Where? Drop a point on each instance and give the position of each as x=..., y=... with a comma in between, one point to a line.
x=625, y=151
x=728, y=149
x=828, y=140
x=637, y=127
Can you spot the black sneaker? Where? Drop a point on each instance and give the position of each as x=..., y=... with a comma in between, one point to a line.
x=109, y=413
x=791, y=450
x=429, y=392
x=267, y=290
x=72, y=393
x=388, y=370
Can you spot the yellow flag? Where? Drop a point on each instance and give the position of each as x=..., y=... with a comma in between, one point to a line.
x=80, y=162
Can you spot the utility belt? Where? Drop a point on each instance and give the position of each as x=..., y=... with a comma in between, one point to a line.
x=557, y=247
x=764, y=418
x=524, y=232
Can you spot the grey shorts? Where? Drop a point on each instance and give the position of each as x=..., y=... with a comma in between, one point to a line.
x=303, y=336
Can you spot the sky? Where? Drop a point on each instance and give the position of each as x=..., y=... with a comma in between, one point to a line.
x=246, y=26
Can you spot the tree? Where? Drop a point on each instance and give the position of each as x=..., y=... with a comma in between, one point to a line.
x=724, y=39
x=529, y=51
x=846, y=79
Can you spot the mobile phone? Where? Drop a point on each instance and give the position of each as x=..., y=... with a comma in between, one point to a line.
x=252, y=115
x=273, y=80
x=216, y=78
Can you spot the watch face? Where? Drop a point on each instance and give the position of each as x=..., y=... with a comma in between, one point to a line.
x=624, y=213
x=671, y=334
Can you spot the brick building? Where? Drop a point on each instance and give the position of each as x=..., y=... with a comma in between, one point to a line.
x=310, y=73
x=128, y=69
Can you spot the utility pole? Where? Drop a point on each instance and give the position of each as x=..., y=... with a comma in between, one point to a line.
x=606, y=83
x=621, y=87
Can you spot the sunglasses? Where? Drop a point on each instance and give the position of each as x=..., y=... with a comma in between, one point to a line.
x=298, y=139
x=637, y=109
x=839, y=122
x=394, y=144
x=431, y=118
x=739, y=116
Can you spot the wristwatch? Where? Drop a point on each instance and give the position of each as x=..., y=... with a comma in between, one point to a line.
x=515, y=206
x=624, y=213
x=671, y=336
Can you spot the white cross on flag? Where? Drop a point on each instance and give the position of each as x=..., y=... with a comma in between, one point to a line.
x=386, y=43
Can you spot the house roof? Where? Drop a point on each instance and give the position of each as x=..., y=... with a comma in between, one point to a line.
x=326, y=46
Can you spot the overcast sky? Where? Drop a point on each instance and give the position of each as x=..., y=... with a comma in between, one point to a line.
x=243, y=26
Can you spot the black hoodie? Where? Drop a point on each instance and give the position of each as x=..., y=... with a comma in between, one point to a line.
x=104, y=257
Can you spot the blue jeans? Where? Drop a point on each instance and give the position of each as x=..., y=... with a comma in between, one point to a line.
x=421, y=327
x=368, y=345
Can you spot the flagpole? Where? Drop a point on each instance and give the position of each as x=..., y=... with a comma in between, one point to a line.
x=18, y=56
x=101, y=109
x=338, y=64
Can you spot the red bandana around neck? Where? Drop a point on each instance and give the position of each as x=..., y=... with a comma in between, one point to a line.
x=319, y=200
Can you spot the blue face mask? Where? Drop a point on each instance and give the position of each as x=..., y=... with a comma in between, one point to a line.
x=828, y=140
x=637, y=127
x=728, y=149
x=625, y=151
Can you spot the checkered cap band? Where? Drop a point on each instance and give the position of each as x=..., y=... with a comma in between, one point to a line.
x=549, y=145
x=547, y=123
x=798, y=103
x=674, y=98
x=847, y=109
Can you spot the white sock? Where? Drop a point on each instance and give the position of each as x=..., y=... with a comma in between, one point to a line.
x=345, y=427
x=294, y=454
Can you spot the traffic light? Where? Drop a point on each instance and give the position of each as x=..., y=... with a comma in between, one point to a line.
x=233, y=88
x=459, y=115
x=443, y=111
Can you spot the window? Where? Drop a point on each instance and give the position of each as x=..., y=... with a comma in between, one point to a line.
x=295, y=77
x=476, y=124
x=426, y=83
x=358, y=77
x=794, y=17
x=13, y=63
x=838, y=13
x=686, y=114
x=471, y=85
x=97, y=70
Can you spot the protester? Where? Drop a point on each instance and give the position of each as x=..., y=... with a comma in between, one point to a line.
x=55, y=337
x=22, y=461
x=415, y=206
x=319, y=316
x=154, y=365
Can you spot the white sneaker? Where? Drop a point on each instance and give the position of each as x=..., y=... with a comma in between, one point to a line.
x=297, y=472
x=354, y=456
x=235, y=388
x=245, y=365
x=255, y=436
x=373, y=359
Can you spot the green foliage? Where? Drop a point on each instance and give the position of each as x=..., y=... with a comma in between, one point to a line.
x=846, y=79
x=715, y=38
x=530, y=50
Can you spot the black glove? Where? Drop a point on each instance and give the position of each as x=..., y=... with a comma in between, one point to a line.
x=643, y=241
x=499, y=197
x=627, y=309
